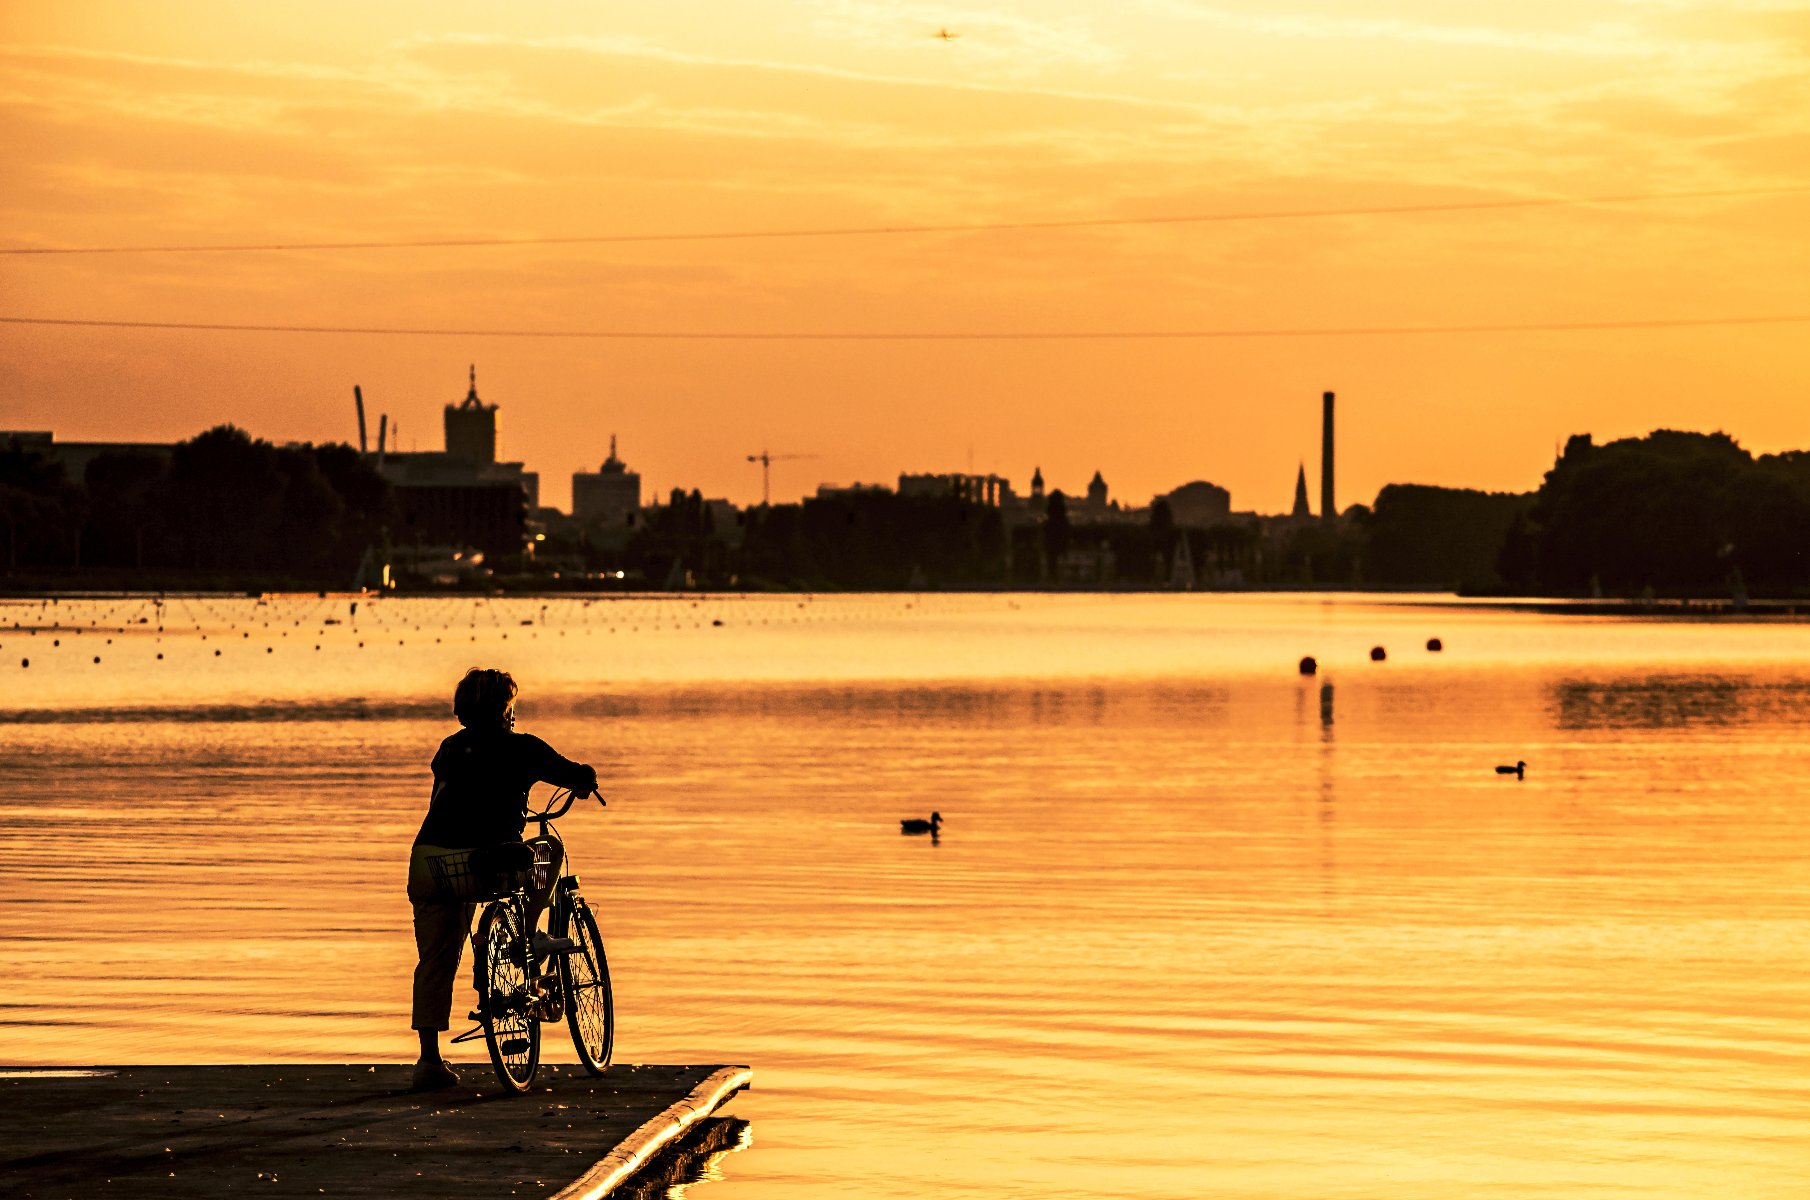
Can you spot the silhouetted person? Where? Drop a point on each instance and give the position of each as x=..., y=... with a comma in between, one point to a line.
x=482, y=775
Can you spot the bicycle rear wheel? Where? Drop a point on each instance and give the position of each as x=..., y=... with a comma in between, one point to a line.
x=590, y=1006
x=511, y=1031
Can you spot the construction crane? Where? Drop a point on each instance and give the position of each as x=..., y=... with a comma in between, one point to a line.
x=766, y=461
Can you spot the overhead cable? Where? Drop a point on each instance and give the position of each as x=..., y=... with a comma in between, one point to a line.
x=1054, y=335
x=457, y=243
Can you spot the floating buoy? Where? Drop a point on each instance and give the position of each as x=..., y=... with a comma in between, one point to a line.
x=160, y=656
x=216, y=654
x=717, y=623
x=25, y=662
x=1309, y=666
x=1435, y=645
x=97, y=659
x=1378, y=654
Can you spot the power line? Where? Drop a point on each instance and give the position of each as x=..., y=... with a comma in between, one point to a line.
x=1001, y=336
x=879, y=230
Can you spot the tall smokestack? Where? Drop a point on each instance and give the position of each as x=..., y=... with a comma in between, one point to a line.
x=1328, y=508
x=358, y=395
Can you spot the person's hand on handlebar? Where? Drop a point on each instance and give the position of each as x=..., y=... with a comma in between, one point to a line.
x=590, y=788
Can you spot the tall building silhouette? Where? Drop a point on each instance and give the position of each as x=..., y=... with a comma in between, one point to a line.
x=1328, y=508
x=462, y=497
x=1301, y=510
x=471, y=427
x=610, y=497
x=1096, y=491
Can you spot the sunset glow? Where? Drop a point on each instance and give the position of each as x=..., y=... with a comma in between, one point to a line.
x=210, y=123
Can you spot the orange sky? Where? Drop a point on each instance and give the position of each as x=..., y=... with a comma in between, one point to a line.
x=126, y=123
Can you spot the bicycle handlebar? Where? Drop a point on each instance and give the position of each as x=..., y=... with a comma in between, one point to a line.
x=550, y=813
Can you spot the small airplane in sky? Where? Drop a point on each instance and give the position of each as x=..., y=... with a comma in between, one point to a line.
x=945, y=35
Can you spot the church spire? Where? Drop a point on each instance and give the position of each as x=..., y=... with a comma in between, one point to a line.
x=1301, y=508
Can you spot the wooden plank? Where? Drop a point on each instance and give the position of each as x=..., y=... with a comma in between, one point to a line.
x=346, y=1131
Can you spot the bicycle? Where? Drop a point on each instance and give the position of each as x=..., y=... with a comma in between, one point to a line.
x=518, y=989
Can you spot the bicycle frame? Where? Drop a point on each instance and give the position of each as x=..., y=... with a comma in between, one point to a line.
x=550, y=987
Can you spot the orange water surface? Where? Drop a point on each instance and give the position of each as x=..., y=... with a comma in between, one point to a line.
x=1196, y=925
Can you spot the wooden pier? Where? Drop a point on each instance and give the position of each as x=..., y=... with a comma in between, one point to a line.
x=347, y=1131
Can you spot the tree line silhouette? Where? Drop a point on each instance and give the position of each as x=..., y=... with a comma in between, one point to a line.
x=1671, y=512
x=221, y=504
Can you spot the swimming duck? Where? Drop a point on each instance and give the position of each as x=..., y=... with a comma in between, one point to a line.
x=1519, y=770
x=919, y=825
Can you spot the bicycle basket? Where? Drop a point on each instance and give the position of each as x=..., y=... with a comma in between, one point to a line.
x=485, y=873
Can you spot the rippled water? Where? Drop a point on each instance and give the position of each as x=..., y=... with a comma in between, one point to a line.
x=1196, y=925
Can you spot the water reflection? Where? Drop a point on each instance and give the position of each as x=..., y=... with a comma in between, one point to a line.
x=1659, y=702
x=696, y=1158
x=1215, y=929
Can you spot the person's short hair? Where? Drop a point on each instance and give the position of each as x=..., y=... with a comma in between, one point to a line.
x=483, y=698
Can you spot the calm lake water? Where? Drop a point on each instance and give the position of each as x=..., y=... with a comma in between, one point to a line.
x=1196, y=926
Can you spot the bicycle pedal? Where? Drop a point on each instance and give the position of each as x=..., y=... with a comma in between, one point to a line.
x=546, y=946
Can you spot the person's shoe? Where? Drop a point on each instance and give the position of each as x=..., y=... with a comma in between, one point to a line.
x=431, y=1075
x=545, y=946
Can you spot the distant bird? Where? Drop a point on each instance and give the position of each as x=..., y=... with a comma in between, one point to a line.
x=945, y=35
x=919, y=825
x=1519, y=770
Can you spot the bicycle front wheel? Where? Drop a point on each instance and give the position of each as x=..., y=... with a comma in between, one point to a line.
x=511, y=1030
x=590, y=1008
